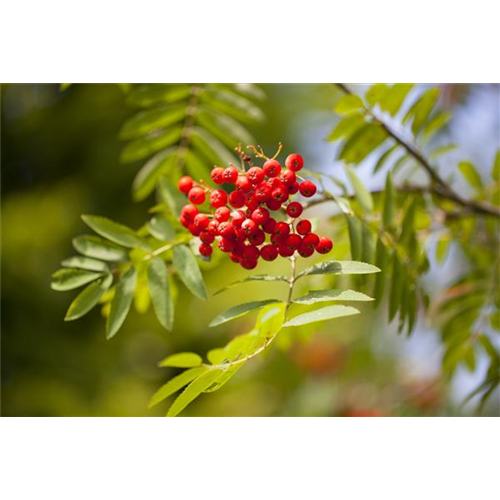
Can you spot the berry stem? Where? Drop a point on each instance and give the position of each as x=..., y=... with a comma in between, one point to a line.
x=291, y=282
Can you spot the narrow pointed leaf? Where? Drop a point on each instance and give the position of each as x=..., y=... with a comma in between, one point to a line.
x=468, y=170
x=257, y=277
x=189, y=272
x=148, y=176
x=182, y=360
x=359, y=145
x=85, y=263
x=362, y=194
x=160, y=228
x=159, y=287
x=315, y=296
x=347, y=126
x=88, y=298
x=355, y=228
x=120, y=305
x=240, y=310
x=69, y=279
x=98, y=248
x=348, y=103
x=389, y=203
x=149, y=94
x=171, y=195
x=323, y=314
x=339, y=267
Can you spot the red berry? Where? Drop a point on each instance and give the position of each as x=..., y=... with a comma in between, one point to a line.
x=230, y=175
x=324, y=246
x=238, y=216
x=269, y=226
x=251, y=201
x=269, y=252
x=288, y=177
x=248, y=264
x=205, y=249
x=307, y=189
x=185, y=184
x=226, y=245
x=310, y=240
x=212, y=227
x=272, y=168
x=273, y=204
x=262, y=192
x=305, y=251
x=243, y=183
x=217, y=175
x=277, y=239
x=185, y=222
x=249, y=227
x=282, y=229
x=280, y=194
x=237, y=199
x=218, y=198
x=222, y=214
x=294, y=162
x=201, y=221
x=284, y=251
x=257, y=238
x=275, y=182
x=197, y=196
x=294, y=209
x=225, y=229
x=207, y=237
x=234, y=258
x=251, y=252
x=256, y=175
x=294, y=188
x=260, y=215
x=189, y=212
x=304, y=227
x=293, y=242
x=194, y=230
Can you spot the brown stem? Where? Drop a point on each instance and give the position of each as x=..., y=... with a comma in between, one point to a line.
x=440, y=185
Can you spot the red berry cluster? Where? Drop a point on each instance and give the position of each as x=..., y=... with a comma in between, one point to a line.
x=241, y=230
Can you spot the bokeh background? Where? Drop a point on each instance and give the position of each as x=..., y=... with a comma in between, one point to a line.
x=60, y=158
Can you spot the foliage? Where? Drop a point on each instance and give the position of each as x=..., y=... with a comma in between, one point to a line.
x=187, y=128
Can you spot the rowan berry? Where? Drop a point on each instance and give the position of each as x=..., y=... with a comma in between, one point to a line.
x=310, y=240
x=207, y=237
x=185, y=184
x=226, y=245
x=269, y=226
x=262, y=192
x=217, y=175
x=197, y=195
x=294, y=188
x=288, y=177
x=285, y=251
x=305, y=251
x=303, y=227
x=237, y=199
x=280, y=194
x=248, y=227
x=201, y=221
x=248, y=264
x=243, y=183
x=294, y=162
x=205, y=249
x=225, y=229
x=293, y=242
x=251, y=252
x=273, y=204
x=257, y=238
x=230, y=175
x=256, y=175
x=307, y=189
x=294, y=209
x=260, y=215
x=272, y=168
x=269, y=252
x=282, y=229
x=251, y=201
x=325, y=245
x=218, y=198
x=189, y=212
x=237, y=218
x=222, y=214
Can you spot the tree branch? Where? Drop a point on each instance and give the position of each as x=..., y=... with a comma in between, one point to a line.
x=440, y=187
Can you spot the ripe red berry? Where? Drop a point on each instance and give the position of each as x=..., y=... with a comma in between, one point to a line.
x=212, y=227
x=189, y=212
x=257, y=238
x=226, y=245
x=294, y=188
x=225, y=229
x=307, y=189
x=207, y=237
x=185, y=184
x=218, y=198
x=248, y=226
x=273, y=204
x=260, y=215
x=285, y=251
x=293, y=242
x=222, y=214
x=235, y=258
x=237, y=199
x=269, y=252
x=269, y=226
x=230, y=175
x=294, y=162
x=288, y=177
x=282, y=229
x=305, y=251
x=197, y=196
x=280, y=194
x=201, y=221
x=304, y=227
x=310, y=240
x=262, y=192
x=294, y=209
x=238, y=216
x=194, y=230
x=205, y=249
x=256, y=175
x=243, y=183
x=251, y=252
x=325, y=245
x=248, y=264
x=275, y=182
x=217, y=175
x=272, y=168
x=251, y=201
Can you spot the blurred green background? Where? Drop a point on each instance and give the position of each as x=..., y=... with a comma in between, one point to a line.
x=60, y=154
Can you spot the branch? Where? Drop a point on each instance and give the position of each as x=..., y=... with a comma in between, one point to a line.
x=440, y=187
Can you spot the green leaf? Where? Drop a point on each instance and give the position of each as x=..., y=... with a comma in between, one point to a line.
x=85, y=263
x=196, y=167
x=149, y=94
x=256, y=277
x=120, y=305
x=395, y=97
x=471, y=174
x=69, y=279
x=270, y=320
x=389, y=213
x=339, y=267
x=160, y=228
x=117, y=233
x=148, y=121
x=362, y=194
x=347, y=126
x=376, y=94
x=495, y=171
x=383, y=158
x=381, y=260
x=421, y=109
x=146, y=179
x=88, y=298
x=182, y=360
x=365, y=140
x=447, y=148
x=146, y=146
x=436, y=123
x=225, y=378
x=355, y=228
x=193, y=390
x=368, y=244
x=442, y=246
x=171, y=195
x=233, y=105
x=323, y=314
x=159, y=288
x=189, y=272
x=315, y=296
x=240, y=310
x=396, y=285
x=93, y=246
x=211, y=147
x=176, y=384
x=348, y=103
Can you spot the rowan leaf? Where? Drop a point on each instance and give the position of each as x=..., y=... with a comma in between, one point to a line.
x=88, y=298
x=339, y=267
x=69, y=279
x=120, y=305
x=189, y=272
x=98, y=248
x=159, y=288
x=182, y=360
x=323, y=314
x=315, y=296
x=240, y=310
